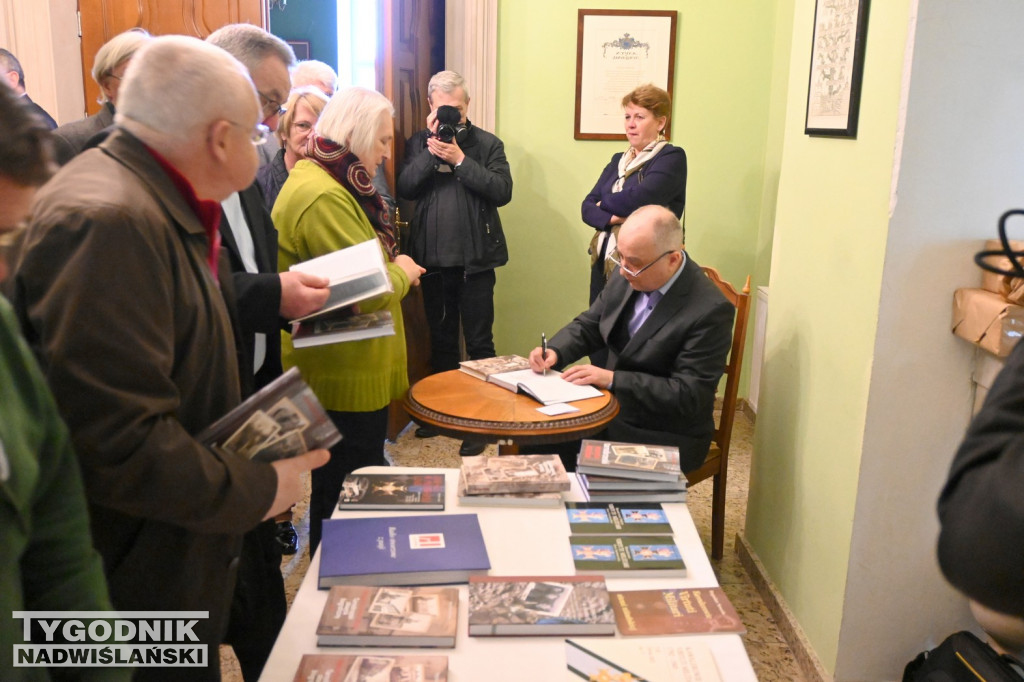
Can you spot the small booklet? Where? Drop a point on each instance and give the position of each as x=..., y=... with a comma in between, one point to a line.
x=359, y=615
x=643, y=518
x=616, y=659
x=392, y=492
x=283, y=419
x=539, y=605
x=698, y=610
x=513, y=373
x=355, y=274
x=627, y=556
x=340, y=326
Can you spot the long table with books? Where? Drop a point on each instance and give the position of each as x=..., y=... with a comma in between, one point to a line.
x=520, y=541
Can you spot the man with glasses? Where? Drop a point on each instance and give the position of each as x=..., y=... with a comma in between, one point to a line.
x=667, y=329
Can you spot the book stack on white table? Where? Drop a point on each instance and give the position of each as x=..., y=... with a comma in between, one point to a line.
x=520, y=541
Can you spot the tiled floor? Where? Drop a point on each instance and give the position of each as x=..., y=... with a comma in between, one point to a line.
x=771, y=657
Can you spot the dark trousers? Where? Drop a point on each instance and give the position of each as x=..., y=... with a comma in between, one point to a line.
x=451, y=296
x=598, y=358
x=362, y=445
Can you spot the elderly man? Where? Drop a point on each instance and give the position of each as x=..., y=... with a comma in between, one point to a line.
x=458, y=182
x=108, y=71
x=12, y=74
x=124, y=294
x=667, y=329
x=315, y=74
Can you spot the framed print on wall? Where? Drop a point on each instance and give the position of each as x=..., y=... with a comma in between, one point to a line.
x=301, y=49
x=837, y=66
x=617, y=50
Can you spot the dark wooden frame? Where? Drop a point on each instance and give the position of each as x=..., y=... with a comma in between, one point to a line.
x=845, y=124
x=302, y=49
x=671, y=15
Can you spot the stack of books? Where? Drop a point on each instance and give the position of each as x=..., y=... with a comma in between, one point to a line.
x=512, y=481
x=627, y=472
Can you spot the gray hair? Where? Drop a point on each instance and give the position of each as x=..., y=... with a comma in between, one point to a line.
x=447, y=82
x=251, y=45
x=177, y=85
x=352, y=118
x=115, y=52
x=666, y=229
x=11, y=63
x=315, y=73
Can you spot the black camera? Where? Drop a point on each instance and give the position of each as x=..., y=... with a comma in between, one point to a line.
x=449, y=126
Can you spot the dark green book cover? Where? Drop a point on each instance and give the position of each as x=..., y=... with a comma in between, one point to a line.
x=642, y=518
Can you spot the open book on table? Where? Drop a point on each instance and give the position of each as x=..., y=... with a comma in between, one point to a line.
x=548, y=389
x=355, y=273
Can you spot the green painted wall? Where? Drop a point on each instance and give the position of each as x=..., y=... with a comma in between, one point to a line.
x=720, y=117
x=315, y=21
x=831, y=228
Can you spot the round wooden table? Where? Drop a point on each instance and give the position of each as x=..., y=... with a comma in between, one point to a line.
x=459, y=405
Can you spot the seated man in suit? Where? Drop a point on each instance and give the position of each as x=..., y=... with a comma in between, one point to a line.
x=667, y=329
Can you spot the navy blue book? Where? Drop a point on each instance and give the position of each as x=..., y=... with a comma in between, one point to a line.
x=402, y=550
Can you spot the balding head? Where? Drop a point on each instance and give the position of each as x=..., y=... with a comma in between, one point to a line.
x=650, y=242
x=267, y=58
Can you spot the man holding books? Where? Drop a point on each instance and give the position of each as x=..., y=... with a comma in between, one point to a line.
x=668, y=331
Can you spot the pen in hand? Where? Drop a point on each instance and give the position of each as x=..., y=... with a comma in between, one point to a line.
x=544, y=351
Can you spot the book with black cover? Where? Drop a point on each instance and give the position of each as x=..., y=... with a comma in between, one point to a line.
x=426, y=549
x=342, y=326
x=392, y=492
x=627, y=556
x=697, y=610
x=360, y=615
x=355, y=274
x=629, y=460
x=592, y=518
x=371, y=668
x=283, y=419
x=539, y=605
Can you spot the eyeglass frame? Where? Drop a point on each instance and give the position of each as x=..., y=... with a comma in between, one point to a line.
x=269, y=102
x=259, y=134
x=616, y=258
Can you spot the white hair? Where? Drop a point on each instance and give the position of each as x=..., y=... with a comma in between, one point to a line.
x=315, y=73
x=178, y=85
x=115, y=52
x=447, y=82
x=352, y=118
x=251, y=45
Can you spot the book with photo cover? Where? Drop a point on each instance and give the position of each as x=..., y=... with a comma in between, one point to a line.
x=361, y=615
x=548, y=500
x=484, y=368
x=484, y=474
x=392, y=492
x=342, y=326
x=627, y=556
x=371, y=668
x=698, y=610
x=425, y=549
x=601, y=518
x=539, y=605
x=354, y=274
x=548, y=388
x=629, y=460
x=283, y=419
x=617, y=659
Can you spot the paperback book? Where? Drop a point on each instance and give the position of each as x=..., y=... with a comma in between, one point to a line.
x=629, y=460
x=628, y=496
x=338, y=327
x=547, y=388
x=392, y=492
x=591, y=518
x=700, y=610
x=371, y=668
x=283, y=419
x=360, y=615
x=427, y=549
x=543, y=500
x=617, y=659
x=627, y=556
x=355, y=274
x=539, y=605
x=614, y=483
x=514, y=474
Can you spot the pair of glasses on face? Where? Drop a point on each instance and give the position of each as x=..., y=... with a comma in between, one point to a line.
x=271, y=107
x=259, y=134
x=616, y=258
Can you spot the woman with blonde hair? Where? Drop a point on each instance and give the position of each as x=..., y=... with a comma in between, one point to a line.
x=329, y=203
x=302, y=110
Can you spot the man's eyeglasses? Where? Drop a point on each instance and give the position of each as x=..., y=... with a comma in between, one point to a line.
x=259, y=135
x=271, y=107
x=616, y=258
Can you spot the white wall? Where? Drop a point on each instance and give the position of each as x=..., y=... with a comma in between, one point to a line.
x=962, y=166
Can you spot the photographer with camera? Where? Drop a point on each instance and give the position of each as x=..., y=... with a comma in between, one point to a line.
x=458, y=175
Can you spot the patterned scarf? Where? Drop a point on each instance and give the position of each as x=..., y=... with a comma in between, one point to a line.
x=631, y=161
x=346, y=168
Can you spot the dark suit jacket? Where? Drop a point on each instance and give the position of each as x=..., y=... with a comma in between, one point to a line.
x=666, y=375
x=70, y=138
x=259, y=294
x=40, y=112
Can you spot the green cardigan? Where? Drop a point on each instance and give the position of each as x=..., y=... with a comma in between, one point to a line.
x=315, y=215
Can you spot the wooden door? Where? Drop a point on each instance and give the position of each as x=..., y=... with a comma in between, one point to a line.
x=410, y=50
x=101, y=20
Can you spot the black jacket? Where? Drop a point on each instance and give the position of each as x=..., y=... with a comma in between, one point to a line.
x=456, y=222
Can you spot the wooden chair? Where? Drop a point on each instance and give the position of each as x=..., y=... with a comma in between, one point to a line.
x=717, y=462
